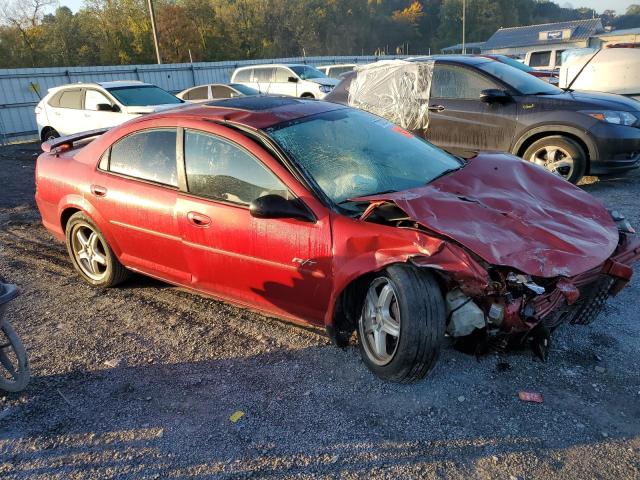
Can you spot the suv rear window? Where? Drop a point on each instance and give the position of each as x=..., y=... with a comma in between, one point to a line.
x=243, y=75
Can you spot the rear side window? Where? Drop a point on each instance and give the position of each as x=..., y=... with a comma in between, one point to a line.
x=243, y=75
x=70, y=99
x=200, y=93
x=221, y=170
x=540, y=59
x=148, y=155
x=457, y=82
x=263, y=74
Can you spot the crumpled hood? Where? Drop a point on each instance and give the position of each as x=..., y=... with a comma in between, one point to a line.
x=325, y=81
x=513, y=213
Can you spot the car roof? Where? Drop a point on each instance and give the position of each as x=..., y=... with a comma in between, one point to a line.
x=269, y=65
x=338, y=65
x=111, y=84
x=254, y=111
x=464, y=59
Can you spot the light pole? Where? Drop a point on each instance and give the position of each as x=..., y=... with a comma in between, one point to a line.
x=464, y=18
x=153, y=28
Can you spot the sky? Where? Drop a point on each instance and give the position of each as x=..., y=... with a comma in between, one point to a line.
x=620, y=6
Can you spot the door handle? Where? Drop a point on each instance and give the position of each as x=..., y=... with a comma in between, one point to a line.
x=98, y=190
x=198, y=219
x=436, y=108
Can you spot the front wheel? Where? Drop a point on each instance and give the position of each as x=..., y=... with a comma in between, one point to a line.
x=402, y=324
x=560, y=155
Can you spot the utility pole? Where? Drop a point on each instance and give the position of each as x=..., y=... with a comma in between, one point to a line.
x=153, y=28
x=464, y=24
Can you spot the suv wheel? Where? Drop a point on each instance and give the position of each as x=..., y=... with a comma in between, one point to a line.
x=402, y=324
x=560, y=155
x=49, y=134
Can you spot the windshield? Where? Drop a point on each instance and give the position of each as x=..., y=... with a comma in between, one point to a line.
x=350, y=153
x=513, y=63
x=244, y=89
x=523, y=82
x=142, y=96
x=306, y=73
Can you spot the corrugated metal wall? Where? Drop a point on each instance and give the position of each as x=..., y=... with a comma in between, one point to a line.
x=21, y=89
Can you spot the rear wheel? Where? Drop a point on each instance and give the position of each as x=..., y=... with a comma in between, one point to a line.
x=49, y=133
x=91, y=255
x=560, y=155
x=14, y=366
x=402, y=323
x=307, y=95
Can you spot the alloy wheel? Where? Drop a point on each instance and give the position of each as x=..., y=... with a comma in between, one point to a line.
x=380, y=323
x=555, y=159
x=89, y=251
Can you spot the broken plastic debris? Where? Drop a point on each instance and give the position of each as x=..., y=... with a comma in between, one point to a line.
x=530, y=397
x=235, y=416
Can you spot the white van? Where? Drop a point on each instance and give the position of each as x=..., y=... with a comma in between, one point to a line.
x=290, y=79
x=544, y=59
x=609, y=70
x=336, y=71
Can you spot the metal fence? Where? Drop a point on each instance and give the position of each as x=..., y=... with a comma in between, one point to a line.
x=22, y=88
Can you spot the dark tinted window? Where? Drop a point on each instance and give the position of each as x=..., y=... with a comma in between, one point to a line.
x=306, y=72
x=149, y=155
x=70, y=99
x=457, y=82
x=559, y=57
x=143, y=96
x=243, y=75
x=219, y=169
x=244, y=89
x=523, y=82
x=200, y=93
x=540, y=59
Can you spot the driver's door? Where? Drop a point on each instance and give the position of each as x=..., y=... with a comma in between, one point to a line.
x=96, y=118
x=280, y=265
x=458, y=121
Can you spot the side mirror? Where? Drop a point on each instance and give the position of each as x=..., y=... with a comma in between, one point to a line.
x=275, y=206
x=105, y=107
x=494, y=95
x=293, y=79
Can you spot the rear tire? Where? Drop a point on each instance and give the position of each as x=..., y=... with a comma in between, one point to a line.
x=406, y=301
x=91, y=255
x=559, y=155
x=49, y=133
x=307, y=95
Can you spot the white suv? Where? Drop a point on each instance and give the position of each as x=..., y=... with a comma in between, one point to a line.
x=290, y=79
x=79, y=107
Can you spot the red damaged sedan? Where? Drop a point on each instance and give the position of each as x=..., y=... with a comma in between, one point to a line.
x=321, y=214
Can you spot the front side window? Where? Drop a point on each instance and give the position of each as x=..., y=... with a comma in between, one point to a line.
x=93, y=98
x=143, y=95
x=70, y=99
x=523, y=82
x=282, y=75
x=540, y=59
x=221, y=91
x=350, y=153
x=450, y=81
x=199, y=93
x=148, y=155
x=559, y=57
x=306, y=72
x=221, y=170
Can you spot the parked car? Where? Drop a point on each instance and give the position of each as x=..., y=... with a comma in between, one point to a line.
x=327, y=215
x=611, y=70
x=548, y=59
x=78, y=107
x=548, y=76
x=336, y=71
x=290, y=79
x=202, y=93
x=474, y=103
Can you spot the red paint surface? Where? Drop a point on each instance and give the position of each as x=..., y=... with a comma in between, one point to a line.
x=497, y=208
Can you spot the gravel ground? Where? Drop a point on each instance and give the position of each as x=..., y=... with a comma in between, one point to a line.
x=140, y=381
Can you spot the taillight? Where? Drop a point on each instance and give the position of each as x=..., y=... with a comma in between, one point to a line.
x=38, y=109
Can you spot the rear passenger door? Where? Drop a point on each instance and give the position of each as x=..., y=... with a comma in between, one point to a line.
x=458, y=121
x=135, y=190
x=65, y=111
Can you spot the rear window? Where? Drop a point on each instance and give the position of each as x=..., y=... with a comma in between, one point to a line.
x=243, y=75
x=147, y=155
x=540, y=59
x=70, y=99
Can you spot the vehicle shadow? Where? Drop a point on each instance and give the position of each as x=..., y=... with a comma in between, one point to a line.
x=310, y=411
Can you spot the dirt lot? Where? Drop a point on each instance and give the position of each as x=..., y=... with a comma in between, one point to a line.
x=140, y=381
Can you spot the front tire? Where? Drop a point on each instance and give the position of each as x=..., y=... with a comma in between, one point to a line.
x=560, y=155
x=91, y=255
x=402, y=324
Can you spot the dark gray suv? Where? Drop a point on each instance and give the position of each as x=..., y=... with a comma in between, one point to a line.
x=475, y=103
